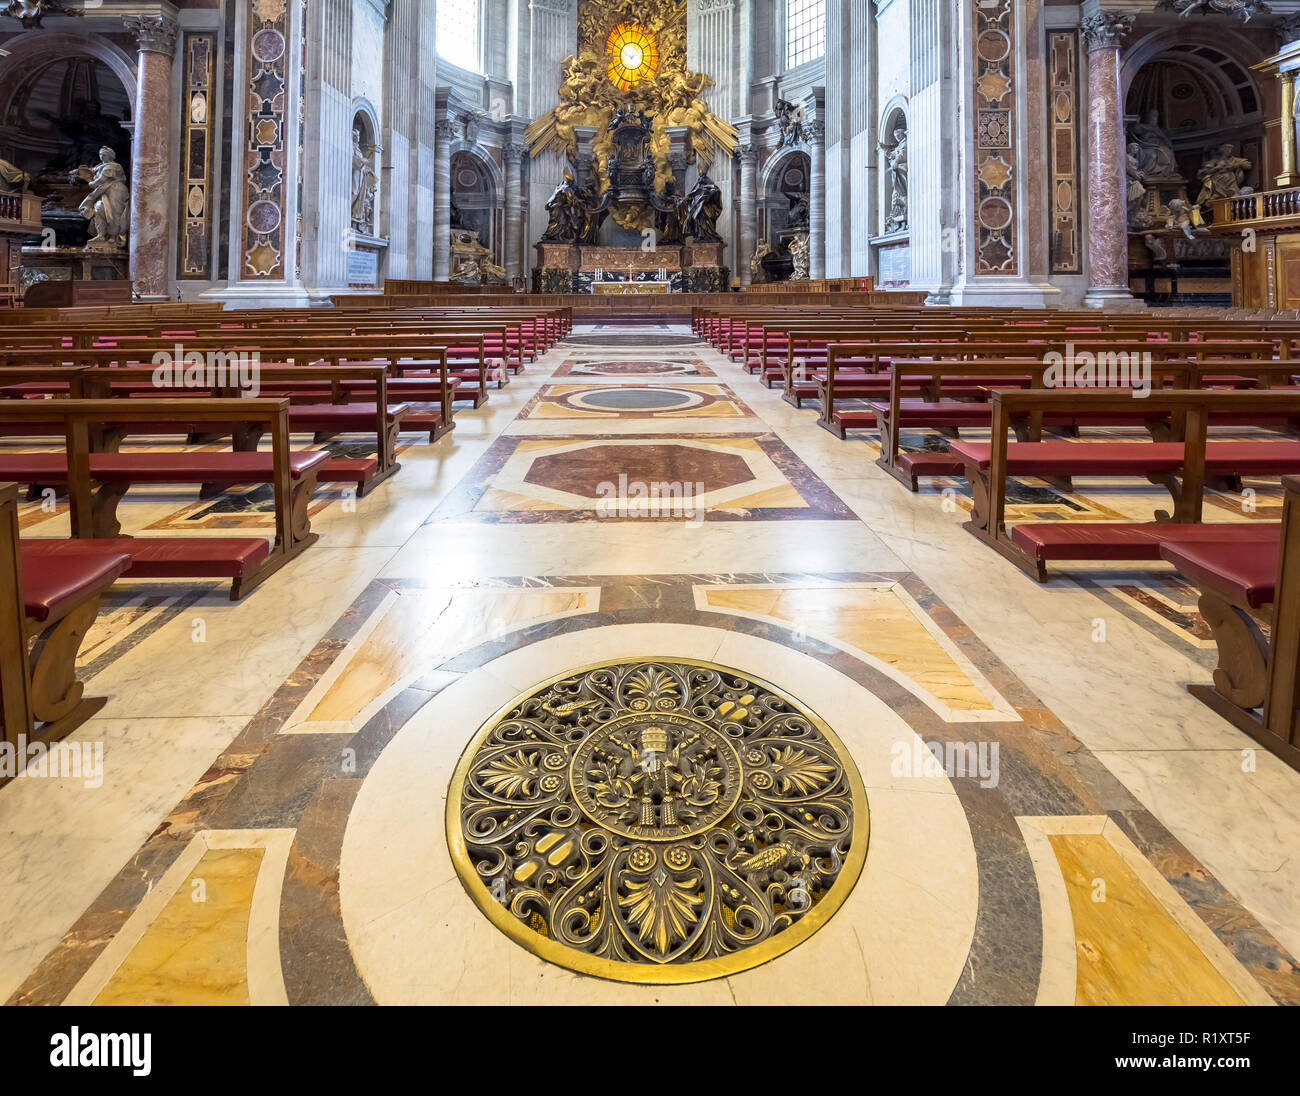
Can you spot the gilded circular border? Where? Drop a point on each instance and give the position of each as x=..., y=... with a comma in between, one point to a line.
x=669, y=973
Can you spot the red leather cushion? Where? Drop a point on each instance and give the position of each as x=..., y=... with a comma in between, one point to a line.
x=53, y=584
x=855, y=420
x=34, y=467
x=942, y=413
x=1064, y=458
x=199, y=467
x=930, y=464
x=348, y=469
x=168, y=557
x=1099, y=540
x=340, y=416
x=1252, y=458
x=1244, y=572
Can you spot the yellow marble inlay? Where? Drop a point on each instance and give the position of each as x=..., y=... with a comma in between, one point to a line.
x=420, y=629
x=195, y=952
x=1130, y=950
x=873, y=620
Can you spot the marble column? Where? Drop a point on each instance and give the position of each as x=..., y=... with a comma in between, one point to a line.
x=1107, y=201
x=817, y=200
x=153, y=189
x=748, y=157
x=514, y=157
x=443, y=134
x=1288, y=177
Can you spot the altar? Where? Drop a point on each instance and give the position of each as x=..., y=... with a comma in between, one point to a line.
x=636, y=210
x=629, y=289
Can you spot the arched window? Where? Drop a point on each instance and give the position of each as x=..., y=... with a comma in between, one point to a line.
x=458, y=33
x=805, y=31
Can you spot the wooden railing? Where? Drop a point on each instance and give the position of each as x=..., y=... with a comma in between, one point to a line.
x=21, y=209
x=1265, y=207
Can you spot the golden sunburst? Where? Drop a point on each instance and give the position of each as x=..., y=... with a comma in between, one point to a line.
x=633, y=55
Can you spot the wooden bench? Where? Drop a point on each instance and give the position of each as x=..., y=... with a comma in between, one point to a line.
x=47, y=606
x=1242, y=581
x=95, y=483
x=1181, y=467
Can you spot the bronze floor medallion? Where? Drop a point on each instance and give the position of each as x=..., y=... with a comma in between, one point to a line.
x=657, y=820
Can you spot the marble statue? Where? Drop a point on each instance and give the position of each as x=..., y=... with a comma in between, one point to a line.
x=801, y=252
x=86, y=129
x=791, y=117
x=703, y=208
x=799, y=214
x=1155, y=155
x=472, y=262
x=1184, y=216
x=668, y=220
x=13, y=180
x=896, y=165
x=757, y=271
x=31, y=12
x=1135, y=190
x=1244, y=8
x=108, y=205
x=568, y=217
x=364, y=184
x=1221, y=174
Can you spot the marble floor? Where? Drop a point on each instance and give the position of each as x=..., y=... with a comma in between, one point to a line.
x=1052, y=818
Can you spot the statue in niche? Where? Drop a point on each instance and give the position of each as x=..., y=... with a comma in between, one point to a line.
x=568, y=224
x=800, y=213
x=757, y=271
x=1155, y=154
x=13, y=179
x=89, y=129
x=1221, y=174
x=791, y=117
x=472, y=262
x=801, y=252
x=108, y=205
x=1135, y=190
x=703, y=208
x=896, y=165
x=364, y=184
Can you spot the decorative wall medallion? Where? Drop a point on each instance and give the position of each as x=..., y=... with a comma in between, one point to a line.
x=264, y=151
x=662, y=821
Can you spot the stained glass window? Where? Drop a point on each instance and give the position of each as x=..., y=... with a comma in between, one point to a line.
x=458, y=33
x=805, y=31
x=633, y=55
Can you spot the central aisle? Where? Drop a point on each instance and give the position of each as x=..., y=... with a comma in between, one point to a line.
x=635, y=495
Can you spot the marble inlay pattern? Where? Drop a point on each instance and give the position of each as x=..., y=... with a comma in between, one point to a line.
x=627, y=477
x=635, y=401
x=318, y=827
x=996, y=167
x=634, y=367
x=306, y=784
x=194, y=250
x=266, y=95
x=1063, y=156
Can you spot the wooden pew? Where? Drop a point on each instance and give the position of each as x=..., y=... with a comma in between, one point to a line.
x=46, y=608
x=96, y=482
x=1180, y=466
x=1257, y=681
